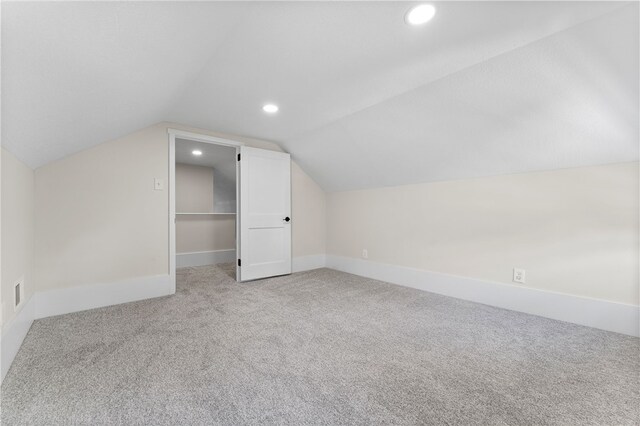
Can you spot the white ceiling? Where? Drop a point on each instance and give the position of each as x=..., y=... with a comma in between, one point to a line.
x=221, y=158
x=223, y=161
x=485, y=88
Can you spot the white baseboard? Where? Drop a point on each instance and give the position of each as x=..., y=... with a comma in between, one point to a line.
x=602, y=314
x=201, y=258
x=74, y=299
x=611, y=316
x=13, y=333
x=81, y=298
x=307, y=263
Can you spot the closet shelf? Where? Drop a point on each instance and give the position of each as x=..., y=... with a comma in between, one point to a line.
x=204, y=213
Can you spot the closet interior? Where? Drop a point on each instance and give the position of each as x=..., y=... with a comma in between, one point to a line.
x=205, y=197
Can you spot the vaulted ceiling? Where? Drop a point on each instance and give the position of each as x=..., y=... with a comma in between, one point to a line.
x=365, y=100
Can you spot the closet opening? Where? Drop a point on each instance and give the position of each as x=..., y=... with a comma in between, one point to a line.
x=203, y=198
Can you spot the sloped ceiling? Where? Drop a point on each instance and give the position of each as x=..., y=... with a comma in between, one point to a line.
x=485, y=88
x=221, y=158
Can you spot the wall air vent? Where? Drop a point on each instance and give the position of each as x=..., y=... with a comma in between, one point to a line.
x=18, y=293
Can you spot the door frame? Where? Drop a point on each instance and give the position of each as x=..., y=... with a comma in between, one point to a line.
x=196, y=137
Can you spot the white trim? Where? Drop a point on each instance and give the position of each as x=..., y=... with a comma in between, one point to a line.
x=81, y=298
x=238, y=217
x=201, y=258
x=307, y=263
x=602, y=314
x=173, y=134
x=182, y=134
x=13, y=334
x=172, y=210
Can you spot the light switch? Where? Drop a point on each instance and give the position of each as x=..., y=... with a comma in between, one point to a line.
x=158, y=184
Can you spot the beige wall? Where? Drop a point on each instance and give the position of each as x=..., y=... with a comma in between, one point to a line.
x=194, y=188
x=308, y=214
x=205, y=233
x=99, y=220
x=194, y=193
x=98, y=217
x=17, y=231
x=575, y=231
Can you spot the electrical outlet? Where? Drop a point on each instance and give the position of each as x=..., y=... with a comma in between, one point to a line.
x=365, y=254
x=158, y=184
x=518, y=275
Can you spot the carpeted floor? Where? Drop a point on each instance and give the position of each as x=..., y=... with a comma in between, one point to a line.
x=319, y=347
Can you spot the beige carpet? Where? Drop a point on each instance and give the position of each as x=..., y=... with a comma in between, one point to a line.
x=319, y=347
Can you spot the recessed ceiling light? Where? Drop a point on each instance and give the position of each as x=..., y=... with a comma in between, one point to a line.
x=196, y=152
x=270, y=108
x=420, y=14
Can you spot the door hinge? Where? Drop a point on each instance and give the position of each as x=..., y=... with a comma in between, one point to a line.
x=238, y=157
x=239, y=262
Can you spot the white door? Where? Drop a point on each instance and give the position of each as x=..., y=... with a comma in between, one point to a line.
x=265, y=214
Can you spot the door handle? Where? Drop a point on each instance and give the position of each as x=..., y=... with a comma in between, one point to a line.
x=287, y=219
